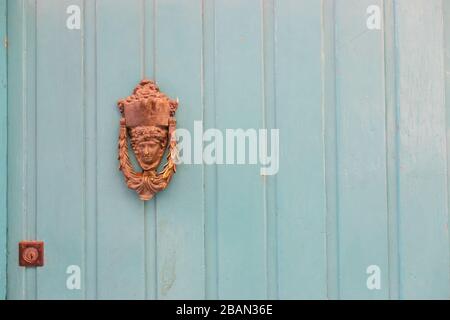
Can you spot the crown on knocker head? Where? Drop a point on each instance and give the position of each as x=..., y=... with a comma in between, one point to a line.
x=148, y=117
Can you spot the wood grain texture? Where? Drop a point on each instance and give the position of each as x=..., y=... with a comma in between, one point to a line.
x=149, y=71
x=120, y=259
x=242, y=262
x=180, y=224
x=17, y=156
x=391, y=148
x=363, y=176
x=89, y=76
x=361, y=160
x=3, y=150
x=59, y=148
x=330, y=146
x=423, y=217
x=210, y=172
x=301, y=211
x=446, y=20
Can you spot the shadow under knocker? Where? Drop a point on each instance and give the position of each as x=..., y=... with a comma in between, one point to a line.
x=148, y=117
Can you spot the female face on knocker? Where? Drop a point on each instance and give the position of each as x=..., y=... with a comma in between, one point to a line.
x=149, y=144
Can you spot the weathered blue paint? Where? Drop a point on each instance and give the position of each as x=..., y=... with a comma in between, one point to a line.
x=180, y=236
x=16, y=159
x=239, y=94
x=360, y=159
x=118, y=64
x=422, y=168
x=59, y=104
x=299, y=109
x=363, y=156
x=446, y=20
x=3, y=146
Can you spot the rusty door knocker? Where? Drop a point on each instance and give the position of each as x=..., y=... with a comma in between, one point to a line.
x=148, y=116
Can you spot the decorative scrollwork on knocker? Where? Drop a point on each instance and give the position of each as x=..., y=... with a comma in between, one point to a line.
x=148, y=118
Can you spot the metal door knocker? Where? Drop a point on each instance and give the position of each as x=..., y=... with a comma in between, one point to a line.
x=148, y=116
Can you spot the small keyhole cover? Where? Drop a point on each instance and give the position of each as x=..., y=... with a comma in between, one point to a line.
x=31, y=253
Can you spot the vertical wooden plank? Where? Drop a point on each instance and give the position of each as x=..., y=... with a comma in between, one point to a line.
x=17, y=112
x=446, y=19
x=210, y=171
x=148, y=70
x=392, y=168
x=30, y=192
x=60, y=148
x=22, y=203
x=360, y=103
x=180, y=221
x=423, y=229
x=3, y=147
x=149, y=29
x=121, y=240
x=89, y=276
x=269, y=123
x=330, y=145
x=301, y=199
x=242, y=262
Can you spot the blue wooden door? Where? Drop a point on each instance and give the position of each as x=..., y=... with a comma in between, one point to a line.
x=357, y=89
